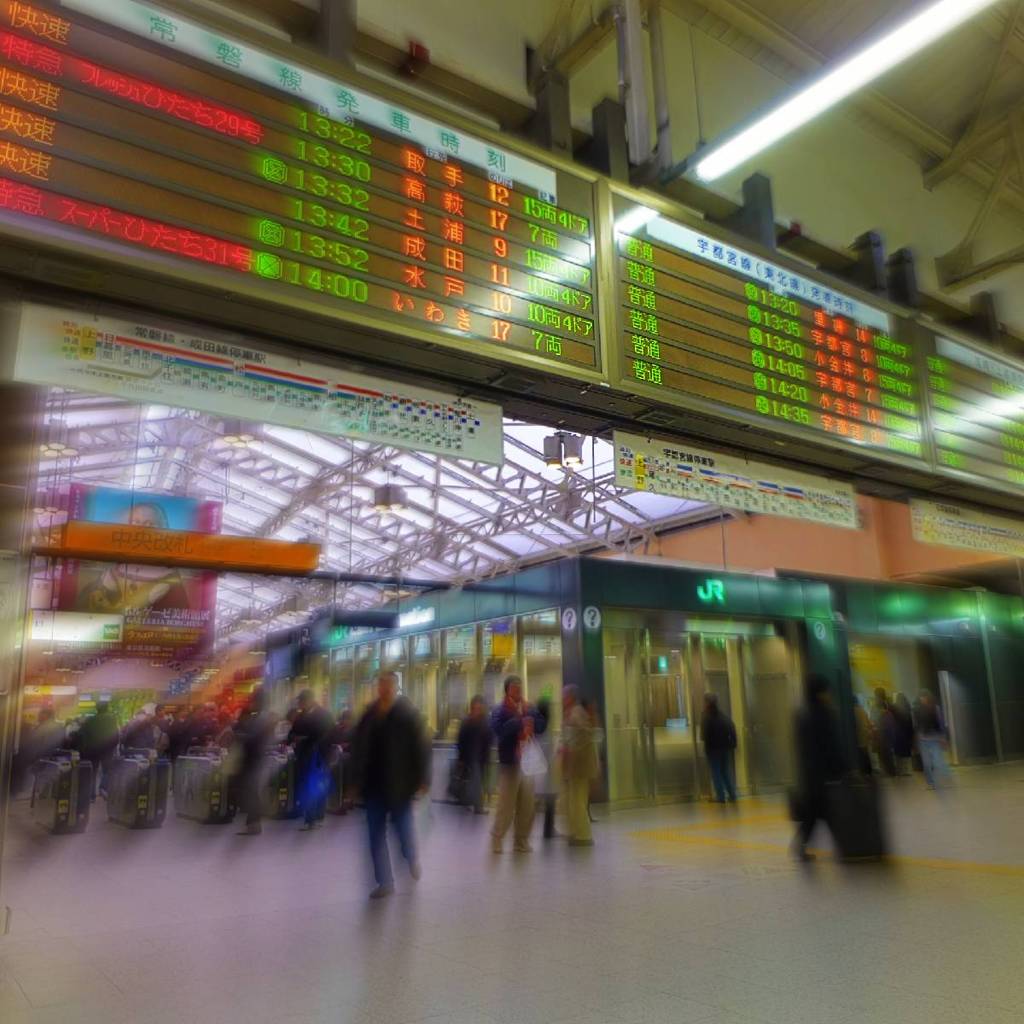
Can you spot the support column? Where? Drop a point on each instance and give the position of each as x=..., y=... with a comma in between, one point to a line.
x=756, y=218
x=552, y=125
x=869, y=270
x=608, y=153
x=901, y=279
x=336, y=30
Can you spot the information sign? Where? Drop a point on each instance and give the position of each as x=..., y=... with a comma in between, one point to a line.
x=682, y=471
x=976, y=408
x=957, y=527
x=707, y=324
x=312, y=191
x=146, y=363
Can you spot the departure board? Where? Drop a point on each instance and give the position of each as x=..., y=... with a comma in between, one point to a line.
x=976, y=409
x=706, y=324
x=314, y=190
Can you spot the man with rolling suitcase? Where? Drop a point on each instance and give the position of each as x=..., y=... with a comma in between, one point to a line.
x=819, y=761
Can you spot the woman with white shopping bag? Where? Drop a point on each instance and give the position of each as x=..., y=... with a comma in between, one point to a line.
x=520, y=761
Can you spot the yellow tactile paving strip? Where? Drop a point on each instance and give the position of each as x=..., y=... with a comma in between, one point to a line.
x=695, y=834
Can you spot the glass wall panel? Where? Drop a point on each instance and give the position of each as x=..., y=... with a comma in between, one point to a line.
x=460, y=677
x=366, y=668
x=422, y=690
x=498, y=640
x=540, y=643
x=342, y=679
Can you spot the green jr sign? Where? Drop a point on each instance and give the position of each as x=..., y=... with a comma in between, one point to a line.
x=712, y=592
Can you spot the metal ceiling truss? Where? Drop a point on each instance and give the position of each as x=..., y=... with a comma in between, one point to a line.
x=959, y=268
x=463, y=521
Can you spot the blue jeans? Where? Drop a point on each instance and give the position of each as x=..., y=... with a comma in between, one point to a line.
x=377, y=812
x=722, y=775
x=933, y=760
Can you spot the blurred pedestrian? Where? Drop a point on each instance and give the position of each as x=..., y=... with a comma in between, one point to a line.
x=719, y=736
x=515, y=724
x=308, y=735
x=931, y=739
x=391, y=764
x=474, y=751
x=252, y=737
x=884, y=724
x=547, y=783
x=141, y=733
x=579, y=765
x=819, y=761
x=903, y=745
x=865, y=737
x=97, y=743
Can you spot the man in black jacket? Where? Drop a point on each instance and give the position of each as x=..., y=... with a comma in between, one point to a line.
x=719, y=736
x=819, y=760
x=391, y=760
x=474, y=751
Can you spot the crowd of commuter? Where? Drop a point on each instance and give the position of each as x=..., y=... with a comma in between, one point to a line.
x=507, y=755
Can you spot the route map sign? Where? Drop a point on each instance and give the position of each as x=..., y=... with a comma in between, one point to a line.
x=705, y=323
x=680, y=470
x=976, y=410
x=179, y=143
x=150, y=364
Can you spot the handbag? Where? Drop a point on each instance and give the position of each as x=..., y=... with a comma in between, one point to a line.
x=532, y=761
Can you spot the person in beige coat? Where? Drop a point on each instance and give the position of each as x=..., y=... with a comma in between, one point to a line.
x=579, y=766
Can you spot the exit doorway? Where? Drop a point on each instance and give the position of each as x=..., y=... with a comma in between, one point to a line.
x=657, y=668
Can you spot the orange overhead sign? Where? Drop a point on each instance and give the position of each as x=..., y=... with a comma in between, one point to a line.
x=144, y=544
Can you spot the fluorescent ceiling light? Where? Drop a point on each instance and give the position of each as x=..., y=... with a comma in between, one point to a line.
x=852, y=74
x=637, y=218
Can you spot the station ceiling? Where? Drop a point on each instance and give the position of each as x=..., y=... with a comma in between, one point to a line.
x=462, y=522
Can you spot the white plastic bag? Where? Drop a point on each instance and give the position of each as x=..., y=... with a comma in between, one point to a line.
x=532, y=761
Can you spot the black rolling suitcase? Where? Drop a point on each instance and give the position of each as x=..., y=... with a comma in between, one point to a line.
x=854, y=808
x=201, y=788
x=279, y=799
x=62, y=792
x=138, y=788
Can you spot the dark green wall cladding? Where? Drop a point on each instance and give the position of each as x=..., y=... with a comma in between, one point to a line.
x=978, y=638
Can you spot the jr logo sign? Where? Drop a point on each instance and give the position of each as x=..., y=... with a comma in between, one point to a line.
x=712, y=592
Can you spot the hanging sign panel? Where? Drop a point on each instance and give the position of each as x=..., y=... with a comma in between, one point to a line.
x=953, y=526
x=281, y=183
x=706, y=324
x=976, y=407
x=697, y=474
x=145, y=363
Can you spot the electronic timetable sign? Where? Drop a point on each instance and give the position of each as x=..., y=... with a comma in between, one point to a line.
x=166, y=139
x=704, y=323
x=976, y=410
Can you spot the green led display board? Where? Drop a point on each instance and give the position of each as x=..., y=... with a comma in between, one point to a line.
x=707, y=324
x=173, y=144
x=976, y=410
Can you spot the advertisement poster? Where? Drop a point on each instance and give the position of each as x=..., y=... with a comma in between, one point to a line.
x=164, y=609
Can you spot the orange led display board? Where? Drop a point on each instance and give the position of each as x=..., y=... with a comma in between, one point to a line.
x=366, y=211
x=117, y=542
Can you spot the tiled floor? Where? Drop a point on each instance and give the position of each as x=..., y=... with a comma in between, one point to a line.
x=681, y=914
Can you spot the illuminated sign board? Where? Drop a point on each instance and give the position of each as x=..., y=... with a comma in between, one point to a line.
x=976, y=408
x=711, y=592
x=148, y=363
x=149, y=545
x=706, y=324
x=953, y=526
x=311, y=192
x=76, y=628
x=680, y=470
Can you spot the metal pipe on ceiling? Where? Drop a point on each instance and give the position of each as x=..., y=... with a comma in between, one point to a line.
x=659, y=77
x=633, y=80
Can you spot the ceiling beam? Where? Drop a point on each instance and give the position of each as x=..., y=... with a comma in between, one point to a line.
x=745, y=17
